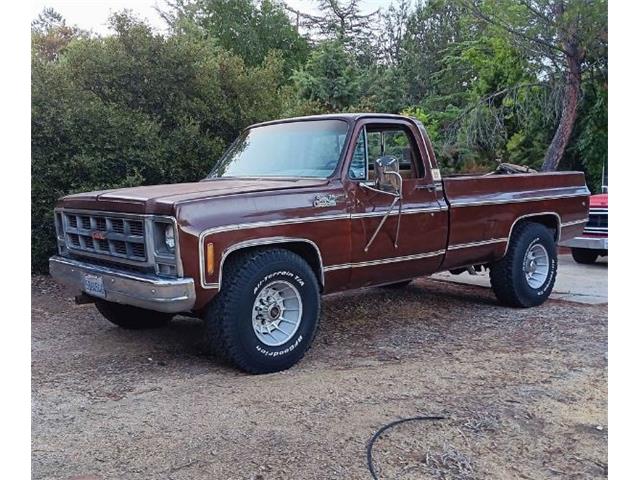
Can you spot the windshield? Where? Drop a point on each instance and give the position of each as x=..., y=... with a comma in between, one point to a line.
x=296, y=149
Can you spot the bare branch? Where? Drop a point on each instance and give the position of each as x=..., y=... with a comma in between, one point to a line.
x=498, y=22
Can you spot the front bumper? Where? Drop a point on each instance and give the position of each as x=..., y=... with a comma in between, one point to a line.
x=591, y=243
x=144, y=291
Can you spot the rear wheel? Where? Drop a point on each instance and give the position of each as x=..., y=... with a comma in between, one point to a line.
x=265, y=317
x=524, y=277
x=132, y=318
x=584, y=255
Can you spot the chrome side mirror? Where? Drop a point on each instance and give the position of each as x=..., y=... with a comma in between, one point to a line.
x=388, y=175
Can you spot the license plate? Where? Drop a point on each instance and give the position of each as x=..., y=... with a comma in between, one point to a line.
x=93, y=286
x=606, y=244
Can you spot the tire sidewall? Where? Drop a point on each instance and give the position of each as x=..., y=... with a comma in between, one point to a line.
x=272, y=358
x=529, y=295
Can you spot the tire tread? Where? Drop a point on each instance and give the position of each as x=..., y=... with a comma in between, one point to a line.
x=501, y=273
x=219, y=316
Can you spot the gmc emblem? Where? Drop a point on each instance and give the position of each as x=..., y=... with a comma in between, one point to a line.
x=98, y=235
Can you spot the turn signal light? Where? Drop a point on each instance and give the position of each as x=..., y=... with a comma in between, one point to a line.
x=210, y=258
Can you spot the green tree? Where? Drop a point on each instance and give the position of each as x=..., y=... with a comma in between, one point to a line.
x=563, y=36
x=331, y=77
x=247, y=28
x=51, y=34
x=136, y=108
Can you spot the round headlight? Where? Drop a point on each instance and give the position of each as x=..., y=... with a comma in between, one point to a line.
x=169, y=238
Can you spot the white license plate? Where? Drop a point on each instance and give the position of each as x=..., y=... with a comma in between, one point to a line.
x=93, y=286
x=606, y=244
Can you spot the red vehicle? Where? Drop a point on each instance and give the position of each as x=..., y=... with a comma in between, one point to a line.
x=594, y=241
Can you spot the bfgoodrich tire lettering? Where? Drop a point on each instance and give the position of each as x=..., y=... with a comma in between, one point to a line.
x=509, y=275
x=230, y=318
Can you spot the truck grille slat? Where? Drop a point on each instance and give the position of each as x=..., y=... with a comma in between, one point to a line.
x=598, y=221
x=106, y=235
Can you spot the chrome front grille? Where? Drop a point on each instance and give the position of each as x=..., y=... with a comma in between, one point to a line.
x=598, y=221
x=106, y=236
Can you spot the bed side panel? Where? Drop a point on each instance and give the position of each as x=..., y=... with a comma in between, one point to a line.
x=484, y=209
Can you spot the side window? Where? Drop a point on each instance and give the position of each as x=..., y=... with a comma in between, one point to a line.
x=376, y=141
x=397, y=143
x=374, y=144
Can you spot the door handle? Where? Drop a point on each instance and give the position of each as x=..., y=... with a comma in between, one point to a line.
x=430, y=187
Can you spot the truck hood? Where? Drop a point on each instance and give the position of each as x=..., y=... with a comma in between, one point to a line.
x=162, y=199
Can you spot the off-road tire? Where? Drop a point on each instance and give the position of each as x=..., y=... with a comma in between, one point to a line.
x=229, y=317
x=508, y=279
x=585, y=255
x=130, y=317
x=397, y=285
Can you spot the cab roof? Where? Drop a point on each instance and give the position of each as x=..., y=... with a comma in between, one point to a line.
x=348, y=117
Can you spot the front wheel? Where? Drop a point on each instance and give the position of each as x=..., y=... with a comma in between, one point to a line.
x=130, y=317
x=265, y=317
x=584, y=255
x=525, y=276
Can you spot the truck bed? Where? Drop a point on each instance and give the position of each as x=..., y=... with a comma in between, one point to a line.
x=483, y=210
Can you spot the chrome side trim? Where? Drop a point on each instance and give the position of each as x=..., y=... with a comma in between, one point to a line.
x=409, y=211
x=291, y=221
x=575, y=222
x=260, y=242
x=460, y=204
x=384, y=261
x=317, y=218
x=271, y=223
x=477, y=244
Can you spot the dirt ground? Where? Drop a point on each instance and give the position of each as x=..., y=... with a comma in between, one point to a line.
x=524, y=393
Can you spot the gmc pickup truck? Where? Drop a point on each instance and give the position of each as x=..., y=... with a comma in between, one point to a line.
x=301, y=207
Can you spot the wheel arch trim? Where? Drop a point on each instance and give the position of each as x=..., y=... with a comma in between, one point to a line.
x=260, y=242
x=533, y=216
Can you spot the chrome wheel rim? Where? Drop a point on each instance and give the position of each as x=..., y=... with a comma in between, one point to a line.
x=277, y=313
x=536, y=265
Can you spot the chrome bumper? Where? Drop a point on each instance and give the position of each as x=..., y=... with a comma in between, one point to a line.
x=591, y=243
x=150, y=292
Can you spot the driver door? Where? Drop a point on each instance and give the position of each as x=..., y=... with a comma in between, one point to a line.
x=423, y=222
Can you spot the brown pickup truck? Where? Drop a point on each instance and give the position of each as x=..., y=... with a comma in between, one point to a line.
x=307, y=206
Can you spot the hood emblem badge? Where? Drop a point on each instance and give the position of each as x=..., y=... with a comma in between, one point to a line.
x=324, y=201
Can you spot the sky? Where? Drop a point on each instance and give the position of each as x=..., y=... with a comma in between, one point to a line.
x=92, y=15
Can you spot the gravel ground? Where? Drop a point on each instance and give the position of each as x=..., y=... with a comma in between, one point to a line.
x=524, y=393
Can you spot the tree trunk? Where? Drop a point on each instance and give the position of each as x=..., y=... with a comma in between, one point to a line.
x=567, y=119
x=574, y=55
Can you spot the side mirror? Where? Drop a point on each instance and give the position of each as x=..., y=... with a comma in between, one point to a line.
x=388, y=174
x=389, y=182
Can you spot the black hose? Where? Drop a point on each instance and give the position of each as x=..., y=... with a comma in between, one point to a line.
x=386, y=427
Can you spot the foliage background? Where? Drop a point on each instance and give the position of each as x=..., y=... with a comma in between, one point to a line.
x=139, y=107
